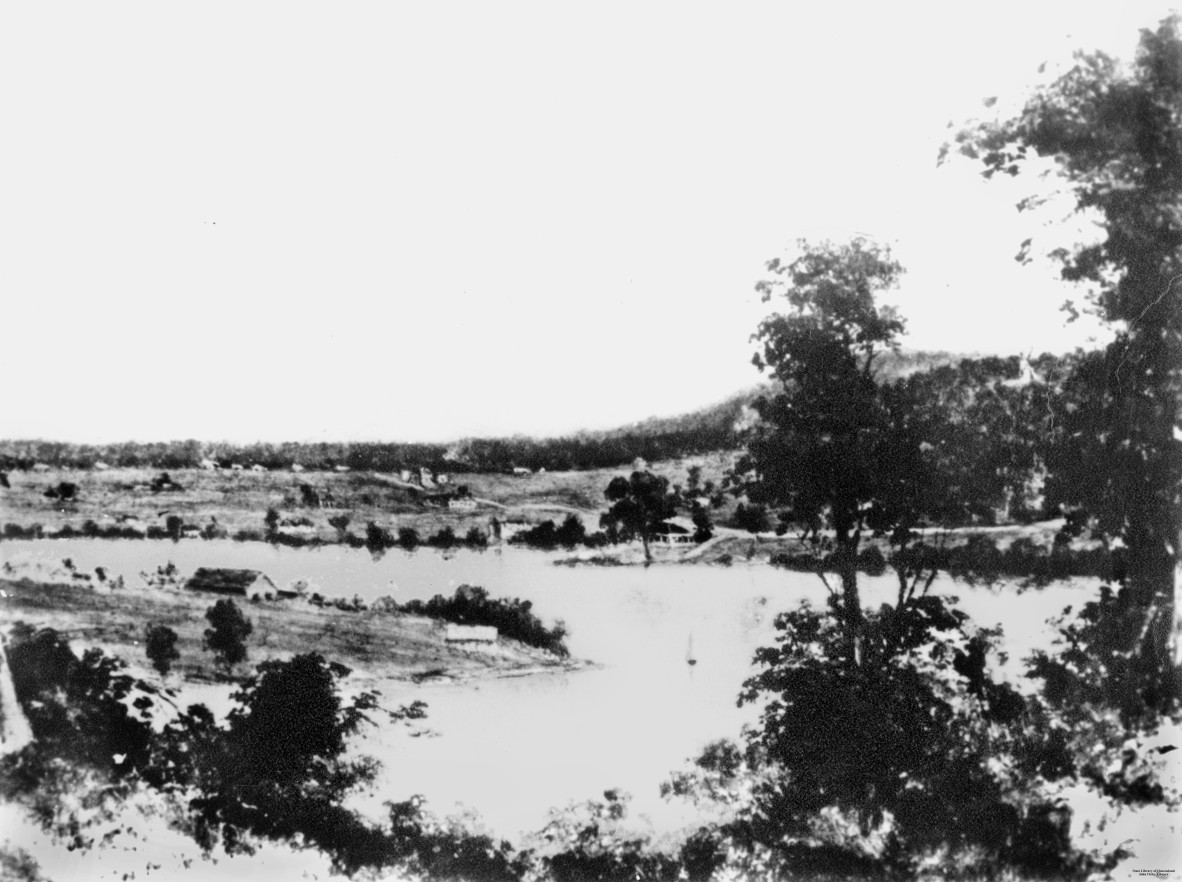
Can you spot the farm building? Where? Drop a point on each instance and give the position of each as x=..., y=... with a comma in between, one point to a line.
x=471, y=634
x=461, y=504
x=675, y=531
x=250, y=584
x=209, y=465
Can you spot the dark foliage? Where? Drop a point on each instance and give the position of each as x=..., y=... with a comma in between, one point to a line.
x=160, y=647
x=903, y=755
x=226, y=636
x=471, y=605
x=377, y=538
x=638, y=503
x=444, y=537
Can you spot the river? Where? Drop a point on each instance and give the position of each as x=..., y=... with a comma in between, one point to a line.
x=511, y=749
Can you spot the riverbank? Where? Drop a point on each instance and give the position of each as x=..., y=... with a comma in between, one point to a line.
x=378, y=645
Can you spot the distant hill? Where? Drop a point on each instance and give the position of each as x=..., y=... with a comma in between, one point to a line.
x=706, y=430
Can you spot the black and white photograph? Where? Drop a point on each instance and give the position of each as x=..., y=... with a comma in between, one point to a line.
x=590, y=442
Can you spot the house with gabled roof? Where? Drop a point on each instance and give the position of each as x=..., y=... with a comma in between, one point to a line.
x=250, y=584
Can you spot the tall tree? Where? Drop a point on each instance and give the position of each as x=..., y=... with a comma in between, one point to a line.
x=1115, y=134
x=226, y=636
x=639, y=503
x=160, y=647
x=826, y=451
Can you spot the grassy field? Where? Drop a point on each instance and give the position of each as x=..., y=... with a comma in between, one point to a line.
x=239, y=500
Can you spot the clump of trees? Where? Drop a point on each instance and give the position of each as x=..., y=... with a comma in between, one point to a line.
x=471, y=605
x=547, y=535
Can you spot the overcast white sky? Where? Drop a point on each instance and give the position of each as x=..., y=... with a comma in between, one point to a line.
x=293, y=221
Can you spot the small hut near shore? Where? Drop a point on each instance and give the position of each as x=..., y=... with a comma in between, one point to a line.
x=250, y=584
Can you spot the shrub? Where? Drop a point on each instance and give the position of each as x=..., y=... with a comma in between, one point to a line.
x=703, y=527
x=753, y=518
x=444, y=538
x=571, y=533
x=476, y=538
x=408, y=538
x=871, y=561
x=544, y=536
x=377, y=538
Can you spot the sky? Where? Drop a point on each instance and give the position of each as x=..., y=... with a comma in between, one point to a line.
x=426, y=221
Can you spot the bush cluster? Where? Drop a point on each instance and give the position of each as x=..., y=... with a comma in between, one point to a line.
x=547, y=535
x=471, y=605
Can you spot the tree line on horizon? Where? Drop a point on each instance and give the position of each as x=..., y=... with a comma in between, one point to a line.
x=960, y=382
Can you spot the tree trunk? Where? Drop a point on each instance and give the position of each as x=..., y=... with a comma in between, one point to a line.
x=851, y=599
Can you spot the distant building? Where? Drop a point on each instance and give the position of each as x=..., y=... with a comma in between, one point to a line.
x=296, y=467
x=258, y=468
x=462, y=503
x=341, y=468
x=190, y=532
x=101, y=466
x=521, y=470
x=404, y=476
x=209, y=465
x=250, y=584
x=470, y=634
x=675, y=531
x=40, y=467
x=425, y=478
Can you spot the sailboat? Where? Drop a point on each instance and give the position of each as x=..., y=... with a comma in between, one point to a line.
x=689, y=652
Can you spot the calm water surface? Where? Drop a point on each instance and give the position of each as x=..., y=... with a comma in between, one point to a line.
x=511, y=749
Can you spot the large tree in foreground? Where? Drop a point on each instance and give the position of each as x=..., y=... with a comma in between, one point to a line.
x=828, y=452
x=1115, y=135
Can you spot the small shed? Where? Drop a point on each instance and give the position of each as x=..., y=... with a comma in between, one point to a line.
x=675, y=531
x=250, y=584
x=471, y=634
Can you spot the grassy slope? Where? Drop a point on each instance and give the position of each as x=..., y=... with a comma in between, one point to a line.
x=378, y=645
